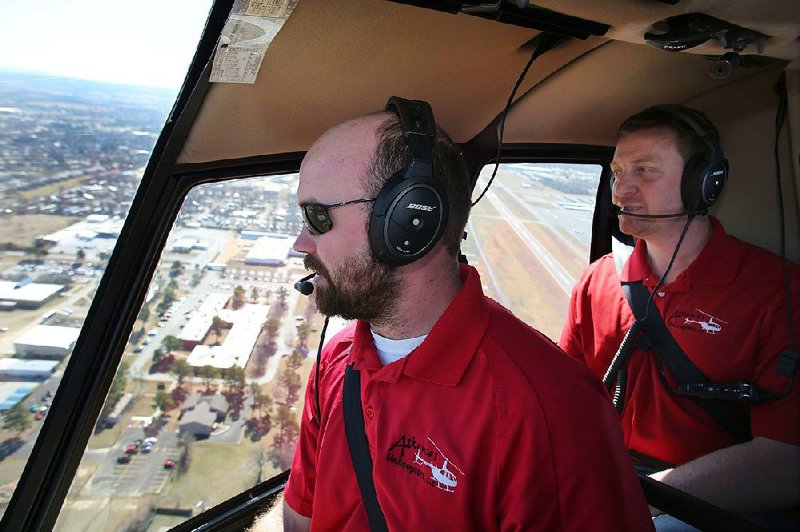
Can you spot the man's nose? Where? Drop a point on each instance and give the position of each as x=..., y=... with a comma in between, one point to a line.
x=304, y=243
x=623, y=186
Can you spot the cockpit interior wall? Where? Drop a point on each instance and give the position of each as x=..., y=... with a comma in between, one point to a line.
x=745, y=112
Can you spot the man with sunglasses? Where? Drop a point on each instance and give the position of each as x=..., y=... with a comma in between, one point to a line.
x=474, y=420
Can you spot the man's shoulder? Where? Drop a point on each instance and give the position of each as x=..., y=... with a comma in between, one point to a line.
x=528, y=350
x=756, y=262
x=344, y=335
x=507, y=329
x=340, y=342
x=530, y=369
x=603, y=266
x=599, y=273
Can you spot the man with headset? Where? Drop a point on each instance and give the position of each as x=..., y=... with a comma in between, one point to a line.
x=724, y=303
x=473, y=420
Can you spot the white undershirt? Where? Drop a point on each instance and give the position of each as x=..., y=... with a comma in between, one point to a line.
x=391, y=350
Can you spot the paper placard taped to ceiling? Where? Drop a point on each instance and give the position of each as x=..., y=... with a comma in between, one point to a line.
x=250, y=29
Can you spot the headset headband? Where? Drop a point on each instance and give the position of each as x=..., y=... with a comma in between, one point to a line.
x=419, y=129
x=697, y=123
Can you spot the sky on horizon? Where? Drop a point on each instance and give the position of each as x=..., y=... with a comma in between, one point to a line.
x=143, y=42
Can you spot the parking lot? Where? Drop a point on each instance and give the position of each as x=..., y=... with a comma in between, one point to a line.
x=144, y=473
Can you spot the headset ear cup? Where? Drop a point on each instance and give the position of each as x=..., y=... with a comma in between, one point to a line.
x=408, y=218
x=694, y=173
x=714, y=181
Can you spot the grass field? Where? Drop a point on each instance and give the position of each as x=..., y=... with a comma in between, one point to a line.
x=217, y=471
x=22, y=229
x=102, y=514
x=53, y=188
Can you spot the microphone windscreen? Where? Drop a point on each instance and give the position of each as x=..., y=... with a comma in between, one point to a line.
x=304, y=287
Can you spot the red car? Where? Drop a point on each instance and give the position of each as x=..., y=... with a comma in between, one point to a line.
x=37, y=416
x=169, y=464
x=131, y=449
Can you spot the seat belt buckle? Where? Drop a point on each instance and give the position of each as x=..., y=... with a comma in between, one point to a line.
x=746, y=392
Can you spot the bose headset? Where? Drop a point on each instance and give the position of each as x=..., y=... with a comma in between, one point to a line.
x=410, y=211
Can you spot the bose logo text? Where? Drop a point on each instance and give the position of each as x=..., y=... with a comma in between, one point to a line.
x=419, y=207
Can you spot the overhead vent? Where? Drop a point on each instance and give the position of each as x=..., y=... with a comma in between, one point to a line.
x=518, y=13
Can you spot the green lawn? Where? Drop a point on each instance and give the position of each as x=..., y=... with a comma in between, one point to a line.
x=217, y=471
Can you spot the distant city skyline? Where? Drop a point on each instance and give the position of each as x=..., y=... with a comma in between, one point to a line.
x=148, y=43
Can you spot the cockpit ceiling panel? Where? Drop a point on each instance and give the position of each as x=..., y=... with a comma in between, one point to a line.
x=584, y=104
x=331, y=50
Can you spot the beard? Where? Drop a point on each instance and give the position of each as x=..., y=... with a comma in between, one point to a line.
x=359, y=288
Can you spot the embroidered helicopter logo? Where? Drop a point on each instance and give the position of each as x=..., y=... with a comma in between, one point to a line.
x=441, y=477
x=711, y=325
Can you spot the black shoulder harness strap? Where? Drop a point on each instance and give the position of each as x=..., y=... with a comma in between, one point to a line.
x=359, y=448
x=735, y=421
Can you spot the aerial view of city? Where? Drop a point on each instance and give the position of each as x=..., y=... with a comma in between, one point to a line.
x=213, y=376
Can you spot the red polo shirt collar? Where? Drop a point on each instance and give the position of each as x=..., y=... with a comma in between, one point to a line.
x=717, y=263
x=449, y=347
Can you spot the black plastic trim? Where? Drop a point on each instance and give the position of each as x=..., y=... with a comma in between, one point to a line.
x=537, y=18
x=239, y=512
x=692, y=510
x=244, y=167
x=605, y=223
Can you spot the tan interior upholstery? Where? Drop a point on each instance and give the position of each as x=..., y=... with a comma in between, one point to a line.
x=336, y=59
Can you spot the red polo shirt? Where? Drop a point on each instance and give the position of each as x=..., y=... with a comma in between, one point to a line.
x=727, y=311
x=485, y=426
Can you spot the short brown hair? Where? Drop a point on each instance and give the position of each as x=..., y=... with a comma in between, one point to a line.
x=674, y=118
x=393, y=154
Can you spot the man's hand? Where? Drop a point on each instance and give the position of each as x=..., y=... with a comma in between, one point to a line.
x=280, y=517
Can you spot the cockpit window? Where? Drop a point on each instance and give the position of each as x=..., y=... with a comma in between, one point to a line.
x=206, y=402
x=529, y=237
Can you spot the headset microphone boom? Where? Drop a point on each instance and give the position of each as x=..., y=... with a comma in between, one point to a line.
x=620, y=212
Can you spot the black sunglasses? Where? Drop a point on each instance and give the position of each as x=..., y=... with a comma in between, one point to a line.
x=317, y=218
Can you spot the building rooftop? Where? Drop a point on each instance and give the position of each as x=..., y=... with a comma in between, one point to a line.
x=13, y=392
x=269, y=250
x=202, y=318
x=18, y=364
x=238, y=345
x=216, y=401
x=49, y=336
x=28, y=293
x=200, y=414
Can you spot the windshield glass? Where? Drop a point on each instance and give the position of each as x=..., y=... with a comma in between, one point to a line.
x=85, y=88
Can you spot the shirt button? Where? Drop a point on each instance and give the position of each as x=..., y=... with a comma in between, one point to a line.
x=370, y=412
x=660, y=294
